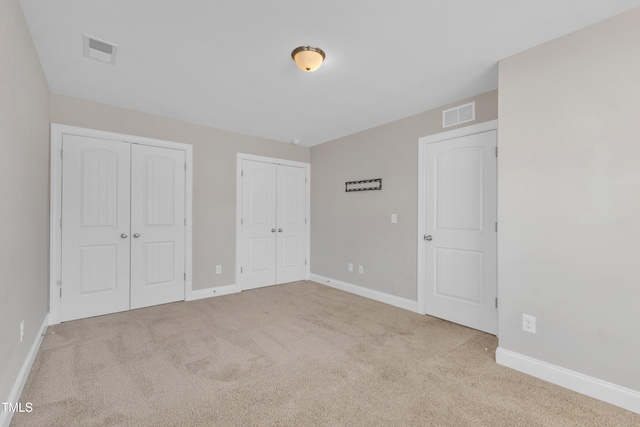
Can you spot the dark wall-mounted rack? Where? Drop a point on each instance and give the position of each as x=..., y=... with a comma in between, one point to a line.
x=364, y=185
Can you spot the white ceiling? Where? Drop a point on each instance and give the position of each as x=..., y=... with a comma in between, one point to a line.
x=227, y=64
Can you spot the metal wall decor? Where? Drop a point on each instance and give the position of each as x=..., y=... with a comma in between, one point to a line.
x=364, y=185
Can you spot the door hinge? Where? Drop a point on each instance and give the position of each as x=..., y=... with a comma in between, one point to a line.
x=240, y=270
x=496, y=151
x=61, y=292
x=185, y=167
x=241, y=173
x=305, y=180
x=60, y=222
x=185, y=277
x=496, y=227
x=305, y=262
x=496, y=302
x=305, y=220
x=61, y=153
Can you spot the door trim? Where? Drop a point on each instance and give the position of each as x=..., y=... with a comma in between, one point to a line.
x=422, y=142
x=239, y=158
x=55, y=211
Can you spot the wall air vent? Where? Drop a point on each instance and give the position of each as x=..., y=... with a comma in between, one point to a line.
x=460, y=114
x=99, y=49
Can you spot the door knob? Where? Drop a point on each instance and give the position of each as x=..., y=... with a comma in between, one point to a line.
x=136, y=235
x=428, y=238
x=124, y=235
x=279, y=230
x=273, y=230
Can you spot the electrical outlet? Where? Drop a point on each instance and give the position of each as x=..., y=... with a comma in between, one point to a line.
x=350, y=267
x=394, y=218
x=361, y=269
x=218, y=269
x=528, y=323
x=22, y=331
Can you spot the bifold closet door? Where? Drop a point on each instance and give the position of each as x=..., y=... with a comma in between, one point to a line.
x=274, y=224
x=291, y=238
x=95, y=224
x=259, y=226
x=157, y=225
x=123, y=226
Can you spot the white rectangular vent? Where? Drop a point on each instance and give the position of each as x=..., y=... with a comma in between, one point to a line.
x=460, y=114
x=99, y=49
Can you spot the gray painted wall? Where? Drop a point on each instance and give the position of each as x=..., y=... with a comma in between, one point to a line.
x=569, y=201
x=24, y=191
x=356, y=227
x=214, y=173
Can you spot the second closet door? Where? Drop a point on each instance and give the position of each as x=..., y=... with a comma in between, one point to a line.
x=291, y=221
x=157, y=225
x=273, y=224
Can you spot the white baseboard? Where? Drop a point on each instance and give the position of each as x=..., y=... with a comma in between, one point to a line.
x=16, y=391
x=407, y=304
x=213, y=292
x=584, y=384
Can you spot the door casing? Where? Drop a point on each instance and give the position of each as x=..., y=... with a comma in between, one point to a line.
x=422, y=142
x=240, y=158
x=55, y=232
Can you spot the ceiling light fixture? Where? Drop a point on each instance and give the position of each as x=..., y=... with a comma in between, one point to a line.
x=308, y=58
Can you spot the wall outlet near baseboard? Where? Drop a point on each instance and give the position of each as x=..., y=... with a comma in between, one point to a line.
x=528, y=323
x=218, y=269
x=361, y=269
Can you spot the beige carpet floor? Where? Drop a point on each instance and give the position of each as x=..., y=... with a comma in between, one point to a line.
x=299, y=354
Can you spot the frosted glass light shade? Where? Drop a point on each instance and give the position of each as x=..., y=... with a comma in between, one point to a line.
x=308, y=58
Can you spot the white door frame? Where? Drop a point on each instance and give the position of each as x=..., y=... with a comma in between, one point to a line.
x=422, y=142
x=55, y=213
x=240, y=157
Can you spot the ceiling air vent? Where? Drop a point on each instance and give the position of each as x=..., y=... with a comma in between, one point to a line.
x=461, y=114
x=99, y=49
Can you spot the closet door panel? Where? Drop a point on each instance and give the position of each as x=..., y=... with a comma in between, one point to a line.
x=292, y=224
x=258, y=229
x=95, y=227
x=157, y=225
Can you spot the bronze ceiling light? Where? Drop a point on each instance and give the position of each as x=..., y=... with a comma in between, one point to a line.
x=308, y=58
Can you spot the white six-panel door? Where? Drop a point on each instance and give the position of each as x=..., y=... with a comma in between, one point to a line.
x=95, y=224
x=274, y=224
x=460, y=234
x=157, y=225
x=123, y=226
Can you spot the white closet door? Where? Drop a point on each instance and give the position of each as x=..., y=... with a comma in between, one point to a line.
x=95, y=227
x=258, y=265
x=460, y=210
x=157, y=225
x=291, y=222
